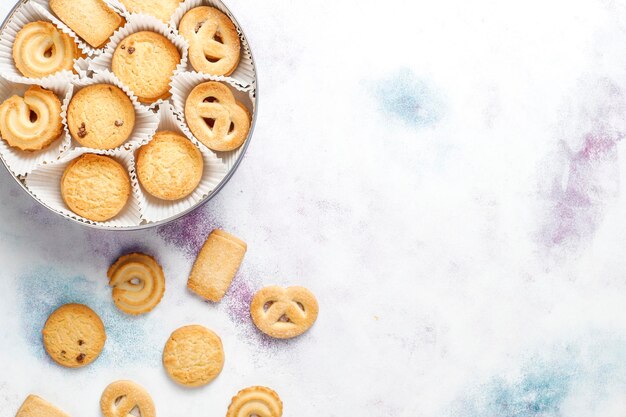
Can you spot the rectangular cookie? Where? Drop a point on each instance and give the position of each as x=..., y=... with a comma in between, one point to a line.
x=35, y=406
x=92, y=20
x=216, y=265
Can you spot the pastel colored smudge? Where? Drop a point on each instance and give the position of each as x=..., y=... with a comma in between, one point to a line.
x=190, y=232
x=409, y=98
x=42, y=290
x=112, y=244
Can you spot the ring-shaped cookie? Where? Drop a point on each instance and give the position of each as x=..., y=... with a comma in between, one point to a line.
x=122, y=397
x=255, y=401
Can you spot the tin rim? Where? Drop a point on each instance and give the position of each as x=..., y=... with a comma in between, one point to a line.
x=215, y=191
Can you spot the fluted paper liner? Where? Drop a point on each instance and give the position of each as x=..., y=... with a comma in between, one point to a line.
x=183, y=83
x=28, y=12
x=138, y=23
x=244, y=74
x=146, y=122
x=45, y=184
x=154, y=209
x=22, y=162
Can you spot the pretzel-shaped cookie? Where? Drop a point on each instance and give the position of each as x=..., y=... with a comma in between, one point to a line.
x=33, y=122
x=138, y=283
x=284, y=313
x=255, y=401
x=215, y=118
x=214, y=45
x=121, y=397
x=40, y=49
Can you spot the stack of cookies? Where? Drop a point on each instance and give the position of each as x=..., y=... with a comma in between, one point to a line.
x=121, y=113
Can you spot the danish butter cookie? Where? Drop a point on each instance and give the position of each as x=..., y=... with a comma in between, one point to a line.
x=74, y=335
x=101, y=116
x=41, y=49
x=216, y=265
x=92, y=20
x=33, y=122
x=216, y=118
x=122, y=397
x=255, y=401
x=35, y=406
x=214, y=45
x=96, y=187
x=284, y=313
x=145, y=61
x=193, y=356
x=169, y=167
x=161, y=9
x=138, y=283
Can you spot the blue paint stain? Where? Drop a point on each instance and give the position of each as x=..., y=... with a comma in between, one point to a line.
x=409, y=98
x=42, y=290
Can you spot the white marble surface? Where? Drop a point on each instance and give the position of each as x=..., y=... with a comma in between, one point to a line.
x=445, y=175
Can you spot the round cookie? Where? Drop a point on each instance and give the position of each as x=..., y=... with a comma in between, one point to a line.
x=101, y=116
x=145, y=61
x=193, y=356
x=33, y=122
x=214, y=45
x=255, y=401
x=74, y=335
x=40, y=49
x=162, y=9
x=169, y=167
x=96, y=187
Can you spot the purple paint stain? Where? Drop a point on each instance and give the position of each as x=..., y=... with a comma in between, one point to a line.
x=190, y=232
x=113, y=244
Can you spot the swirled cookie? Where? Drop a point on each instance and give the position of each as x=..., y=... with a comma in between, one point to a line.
x=122, y=397
x=214, y=45
x=145, y=61
x=138, y=283
x=40, y=49
x=161, y=9
x=101, y=116
x=215, y=118
x=284, y=313
x=74, y=335
x=33, y=122
x=255, y=401
x=96, y=187
x=193, y=356
x=169, y=167
x=92, y=20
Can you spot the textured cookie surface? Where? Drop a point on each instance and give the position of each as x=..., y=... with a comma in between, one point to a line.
x=138, y=283
x=35, y=406
x=255, y=402
x=145, y=61
x=284, y=313
x=215, y=117
x=41, y=49
x=31, y=122
x=214, y=45
x=92, y=20
x=216, y=265
x=96, y=187
x=122, y=397
x=193, y=356
x=101, y=116
x=169, y=166
x=161, y=9
x=74, y=335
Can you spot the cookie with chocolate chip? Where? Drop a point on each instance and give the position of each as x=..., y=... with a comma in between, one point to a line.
x=74, y=335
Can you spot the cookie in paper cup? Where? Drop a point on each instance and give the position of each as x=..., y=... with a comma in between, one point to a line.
x=162, y=10
x=45, y=184
x=22, y=162
x=214, y=170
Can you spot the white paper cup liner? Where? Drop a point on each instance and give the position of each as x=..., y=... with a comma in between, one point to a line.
x=184, y=82
x=138, y=23
x=244, y=74
x=44, y=5
x=81, y=66
x=22, y=162
x=26, y=13
x=146, y=122
x=154, y=209
x=45, y=184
